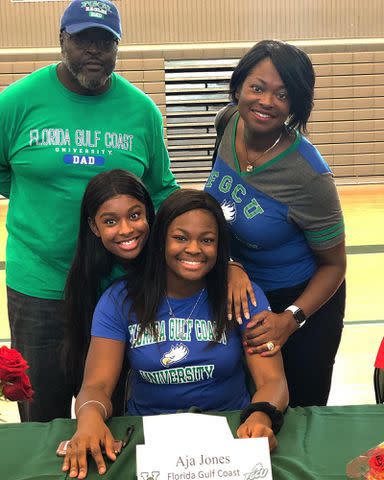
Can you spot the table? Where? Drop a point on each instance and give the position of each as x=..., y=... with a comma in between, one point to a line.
x=315, y=443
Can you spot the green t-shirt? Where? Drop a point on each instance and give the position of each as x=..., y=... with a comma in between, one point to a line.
x=52, y=142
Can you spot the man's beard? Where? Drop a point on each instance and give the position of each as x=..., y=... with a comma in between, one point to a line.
x=75, y=68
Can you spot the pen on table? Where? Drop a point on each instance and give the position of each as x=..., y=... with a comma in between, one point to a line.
x=128, y=435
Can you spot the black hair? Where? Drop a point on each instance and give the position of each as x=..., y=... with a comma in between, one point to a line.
x=295, y=69
x=93, y=263
x=147, y=300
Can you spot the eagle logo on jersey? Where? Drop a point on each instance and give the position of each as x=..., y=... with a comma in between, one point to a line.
x=229, y=210
x=175, y=354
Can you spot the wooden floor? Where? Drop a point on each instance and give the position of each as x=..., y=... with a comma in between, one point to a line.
x=363, y=207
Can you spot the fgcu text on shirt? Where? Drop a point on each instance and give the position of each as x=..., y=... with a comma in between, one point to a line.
x=182, y=366
x=279, y=213
x=52, y=142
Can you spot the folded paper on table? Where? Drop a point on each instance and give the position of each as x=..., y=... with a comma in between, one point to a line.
x=190, y=428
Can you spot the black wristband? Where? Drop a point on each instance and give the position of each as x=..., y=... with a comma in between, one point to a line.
x=273, y=413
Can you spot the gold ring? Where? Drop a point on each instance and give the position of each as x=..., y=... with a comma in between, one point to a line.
x=270, y=346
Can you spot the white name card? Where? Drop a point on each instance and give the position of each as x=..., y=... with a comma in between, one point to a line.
x=199, y=427
x=236, y=459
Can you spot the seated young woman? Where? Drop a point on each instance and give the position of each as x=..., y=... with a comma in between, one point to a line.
x=115, y=219
x=175, y=332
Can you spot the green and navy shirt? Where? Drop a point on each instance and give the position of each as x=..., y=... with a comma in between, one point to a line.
x=280, y=213
x=52, y=142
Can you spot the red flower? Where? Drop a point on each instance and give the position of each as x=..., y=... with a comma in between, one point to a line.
x=376, y=462
x=12, y=364
x=14, y=382
x=19, y=388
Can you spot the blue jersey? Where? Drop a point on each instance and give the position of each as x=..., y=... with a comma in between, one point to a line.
x=182, y=366
x=280, y=213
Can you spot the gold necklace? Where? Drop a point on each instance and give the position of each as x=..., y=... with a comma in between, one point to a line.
x=249, y=168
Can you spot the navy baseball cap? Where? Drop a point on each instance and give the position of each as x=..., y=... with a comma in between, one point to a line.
x=83, y=14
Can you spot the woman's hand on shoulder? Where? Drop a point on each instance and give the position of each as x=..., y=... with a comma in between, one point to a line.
x=239, y=290
x=267, y=332
x=91, y=435
x=258, y=425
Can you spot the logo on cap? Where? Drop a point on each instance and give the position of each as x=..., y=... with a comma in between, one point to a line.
x=96, y=9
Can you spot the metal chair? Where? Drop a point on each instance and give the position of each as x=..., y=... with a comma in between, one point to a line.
x=378, y=375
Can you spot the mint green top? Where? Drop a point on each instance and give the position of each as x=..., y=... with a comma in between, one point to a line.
x=52, y=142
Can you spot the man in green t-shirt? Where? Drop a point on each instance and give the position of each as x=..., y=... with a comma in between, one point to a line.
x=59, y=127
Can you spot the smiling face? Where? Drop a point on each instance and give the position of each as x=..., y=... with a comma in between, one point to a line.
x=88, y=60
x=190, y=251
x=122, y=226
x=263, y=101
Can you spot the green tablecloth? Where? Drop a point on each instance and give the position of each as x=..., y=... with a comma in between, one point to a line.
x=314, y=443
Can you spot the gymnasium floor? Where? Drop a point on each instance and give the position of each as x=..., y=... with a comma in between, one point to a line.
x=363, y=207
